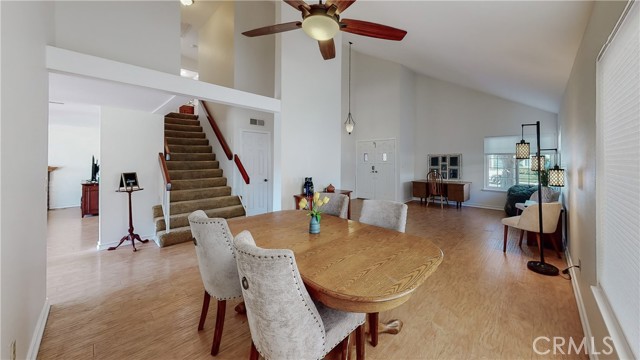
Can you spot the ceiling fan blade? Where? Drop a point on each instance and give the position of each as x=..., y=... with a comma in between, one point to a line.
x=297, y=4
x=273, y=29
x=370, y=29
x=327, y=49
x=342, y=5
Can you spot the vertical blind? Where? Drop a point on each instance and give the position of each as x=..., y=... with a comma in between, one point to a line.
x=618, y=182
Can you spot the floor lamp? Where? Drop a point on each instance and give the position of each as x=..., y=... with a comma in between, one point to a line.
x=523, y=150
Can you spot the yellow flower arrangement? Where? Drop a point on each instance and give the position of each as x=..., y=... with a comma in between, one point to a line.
x=316, y=209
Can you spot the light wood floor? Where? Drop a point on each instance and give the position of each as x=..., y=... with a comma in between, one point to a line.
x=479, y=304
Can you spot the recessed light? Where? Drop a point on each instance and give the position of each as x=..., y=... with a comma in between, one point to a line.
x=186, y=2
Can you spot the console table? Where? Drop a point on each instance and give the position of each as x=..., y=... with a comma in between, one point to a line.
x=457, y=191
x=299, y=197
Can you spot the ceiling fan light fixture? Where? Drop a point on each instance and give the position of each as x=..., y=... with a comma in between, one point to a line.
x=320, y=27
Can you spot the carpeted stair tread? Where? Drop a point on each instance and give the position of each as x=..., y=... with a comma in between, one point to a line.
x=196, y=194
x=179, y=121
x=186, y=141
x=194, y=174
x=175, y=115
x=190, y=206
x=187, y=128
x=192, y=165
x=190, y=148
x=175, y=236
x=185, y=134
x=180, y=220
x=192, y=157
x=177, y=185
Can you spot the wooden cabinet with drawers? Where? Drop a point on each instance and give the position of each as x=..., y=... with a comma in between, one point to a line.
x=457, y=191
x=89, y=202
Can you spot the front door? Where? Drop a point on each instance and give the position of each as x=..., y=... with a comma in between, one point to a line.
x=256, y=154
x=376, y=170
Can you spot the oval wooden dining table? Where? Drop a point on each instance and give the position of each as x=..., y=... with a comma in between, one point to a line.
x=349, y=266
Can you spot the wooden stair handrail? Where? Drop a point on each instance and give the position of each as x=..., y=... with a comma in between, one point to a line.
x=216, y=130
x=225, y=146
x=167, y=152
x=241, y=168
x=165, y=171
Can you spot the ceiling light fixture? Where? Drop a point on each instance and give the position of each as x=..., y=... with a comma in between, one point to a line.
x=349, y=123
x=186, y=2
x=320, y=26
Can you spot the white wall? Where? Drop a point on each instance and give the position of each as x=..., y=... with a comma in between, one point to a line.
x=73, y=140
x=143, y=33
x=129, y=142
x=25, y=29
x=578, y=143
x=454, y=119
x=311, y=120
x=216, y=47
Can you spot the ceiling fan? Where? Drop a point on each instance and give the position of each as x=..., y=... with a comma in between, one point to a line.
x=322, y=21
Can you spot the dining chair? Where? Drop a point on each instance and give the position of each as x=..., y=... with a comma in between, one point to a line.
x=529, y=221
x=387, y=214
x=284, y=322
x=435, y=188
x=338, y=204
x=216, y=261
x=390, y=215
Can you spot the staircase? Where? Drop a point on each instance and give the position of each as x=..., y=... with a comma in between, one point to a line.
x=196, y=180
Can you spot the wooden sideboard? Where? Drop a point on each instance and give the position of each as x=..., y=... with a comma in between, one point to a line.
x=89, y=202
x=299, y=197
x=457, y=191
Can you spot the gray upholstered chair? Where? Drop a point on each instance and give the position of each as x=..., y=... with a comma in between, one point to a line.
x=284, y=322
x=338, y=204
x=529, y=221
x=387, y=214
x=217, y=264
x=390, y=215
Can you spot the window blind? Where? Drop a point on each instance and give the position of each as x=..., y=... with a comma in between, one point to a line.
x=507, y=144
x=618, y=182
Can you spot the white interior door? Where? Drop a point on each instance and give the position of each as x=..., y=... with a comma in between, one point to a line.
x=256, y=154
x=385, y=174
x=376, y=170
x=365, y=182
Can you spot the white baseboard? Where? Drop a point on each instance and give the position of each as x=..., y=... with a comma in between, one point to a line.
x=36, y=339
x=586, y=328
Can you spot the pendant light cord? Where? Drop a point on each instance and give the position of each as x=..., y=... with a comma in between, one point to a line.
x=350, y=43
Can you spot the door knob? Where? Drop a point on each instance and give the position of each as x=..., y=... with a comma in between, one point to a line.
x=265, y=180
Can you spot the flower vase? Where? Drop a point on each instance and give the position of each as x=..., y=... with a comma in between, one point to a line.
x=314, y=225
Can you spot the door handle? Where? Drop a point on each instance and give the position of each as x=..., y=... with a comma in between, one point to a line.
x=265, y=180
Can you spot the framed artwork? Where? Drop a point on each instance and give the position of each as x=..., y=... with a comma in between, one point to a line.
x=449, y=165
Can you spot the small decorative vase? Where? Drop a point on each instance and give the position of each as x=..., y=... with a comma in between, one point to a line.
x=314, y=225
x=331, y=188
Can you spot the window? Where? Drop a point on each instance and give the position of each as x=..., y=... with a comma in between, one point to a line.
x=501, y=168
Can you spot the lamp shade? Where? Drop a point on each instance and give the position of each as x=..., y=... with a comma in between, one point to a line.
x=537, y=163
x=556, y=176
x=523, y=150
x=320, y=27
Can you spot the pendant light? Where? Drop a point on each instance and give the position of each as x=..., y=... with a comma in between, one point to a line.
x=523, y=149
x=349, y=123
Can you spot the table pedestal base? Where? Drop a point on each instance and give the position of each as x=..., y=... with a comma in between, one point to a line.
x=131, y=236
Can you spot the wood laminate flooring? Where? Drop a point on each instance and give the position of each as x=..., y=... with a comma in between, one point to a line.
x=479, y=304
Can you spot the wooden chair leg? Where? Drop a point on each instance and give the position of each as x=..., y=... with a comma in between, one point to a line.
x=373, y=328
x=506, y=231
x=555, y=246
x=217, y=334
x=344, y=348
x=521, y=236
x=205, y=309
x=360, y=342
x=253, y=355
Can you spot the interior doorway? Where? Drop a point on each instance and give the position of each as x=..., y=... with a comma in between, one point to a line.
x=376, y=172
x=256, y=157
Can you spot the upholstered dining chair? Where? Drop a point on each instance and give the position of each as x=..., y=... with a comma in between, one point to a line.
x=387, y=214
x=529, y=221
x=435, y=188
x=390, y=215
x=284, y=322
x=338, y=204
x=218, y=270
